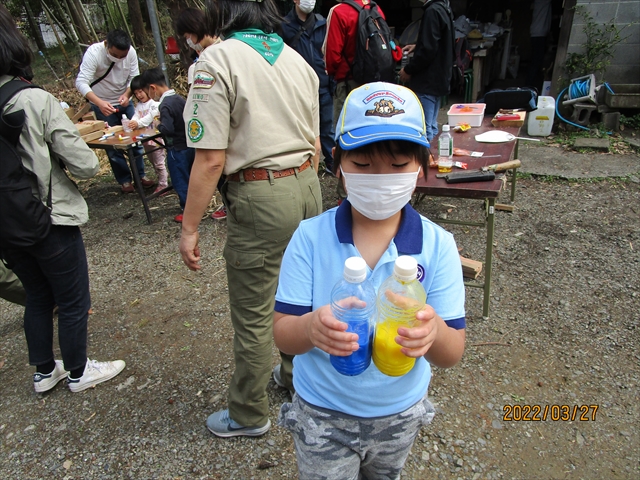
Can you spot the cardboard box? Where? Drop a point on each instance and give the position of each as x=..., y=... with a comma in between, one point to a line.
x=88, y=126
x=496, y=122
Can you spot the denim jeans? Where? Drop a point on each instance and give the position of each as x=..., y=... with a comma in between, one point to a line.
x=117, y=160
x=54, y=272
x=326, y=127
x=179, y=163
x=431, y=106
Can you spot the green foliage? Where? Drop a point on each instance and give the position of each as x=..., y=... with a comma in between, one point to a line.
x=631, y=122
x=599, y=47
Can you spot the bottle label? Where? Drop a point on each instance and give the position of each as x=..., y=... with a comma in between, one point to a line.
x=444, y=147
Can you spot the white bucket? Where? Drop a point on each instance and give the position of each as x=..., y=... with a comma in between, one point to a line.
x=541, y=120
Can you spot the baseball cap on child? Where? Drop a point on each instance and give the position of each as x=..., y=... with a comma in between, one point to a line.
x=380, y=111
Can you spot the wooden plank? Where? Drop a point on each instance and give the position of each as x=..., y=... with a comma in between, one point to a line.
x=504, y=207
x=509, y=123
x=470, y=268
x=89, y=126
x=89, y=116
x=79, y=114
x=92, y=136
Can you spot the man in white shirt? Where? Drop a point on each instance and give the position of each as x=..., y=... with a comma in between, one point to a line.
x=104, y=77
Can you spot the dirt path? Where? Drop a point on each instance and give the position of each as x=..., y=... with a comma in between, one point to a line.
x=563, y=331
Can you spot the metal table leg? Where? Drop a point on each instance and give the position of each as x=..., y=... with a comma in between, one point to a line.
x=491, y=202
x=136, y=177
x=514, y=172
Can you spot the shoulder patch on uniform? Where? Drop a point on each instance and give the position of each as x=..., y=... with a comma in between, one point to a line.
x=195, y=129
x=203, y=79
x=200, y=97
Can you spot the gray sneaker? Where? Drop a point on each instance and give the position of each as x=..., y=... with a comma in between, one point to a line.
x=95, y=373
x=277, y=377
x=43, y=382
x=222, y=425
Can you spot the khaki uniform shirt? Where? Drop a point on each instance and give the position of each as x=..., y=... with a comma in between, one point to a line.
x=48, y=138
x=264, y=116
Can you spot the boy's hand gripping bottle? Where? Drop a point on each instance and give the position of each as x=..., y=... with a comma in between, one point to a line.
x=399, y=298
x=353, y=301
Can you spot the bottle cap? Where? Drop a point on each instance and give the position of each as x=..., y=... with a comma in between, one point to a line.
x=445, y=128
x=405, y=268
x=355, y=270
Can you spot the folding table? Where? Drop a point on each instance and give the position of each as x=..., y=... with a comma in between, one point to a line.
x=487, y=191
x=128, y=142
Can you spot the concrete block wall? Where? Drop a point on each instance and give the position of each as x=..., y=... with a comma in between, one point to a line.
x=625, y=64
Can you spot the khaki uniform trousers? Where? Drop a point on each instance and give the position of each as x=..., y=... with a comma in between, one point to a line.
x=261, y=217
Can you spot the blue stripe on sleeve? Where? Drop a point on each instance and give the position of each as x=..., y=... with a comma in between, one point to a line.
x=457, y=323
x=290, y=309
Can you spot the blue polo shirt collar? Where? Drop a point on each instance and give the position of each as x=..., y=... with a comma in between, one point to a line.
x=408, y=240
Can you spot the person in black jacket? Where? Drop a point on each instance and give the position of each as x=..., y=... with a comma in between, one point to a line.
x=305, y=31
x=428, y=73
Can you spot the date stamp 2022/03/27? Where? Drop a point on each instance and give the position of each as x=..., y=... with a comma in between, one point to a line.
x=555, y=413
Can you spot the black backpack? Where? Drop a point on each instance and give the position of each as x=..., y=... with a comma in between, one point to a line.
x=24, y=220
x=373, y=61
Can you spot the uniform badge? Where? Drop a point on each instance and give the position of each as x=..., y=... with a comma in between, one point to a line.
x=203, y=79
x=200, y=97
x=195, y=129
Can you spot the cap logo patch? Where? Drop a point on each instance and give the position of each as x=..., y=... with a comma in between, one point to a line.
x=202, y=79
x=383, y=108
x=384, y=93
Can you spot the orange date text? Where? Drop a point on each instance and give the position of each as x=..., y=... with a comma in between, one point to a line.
x=555, y=413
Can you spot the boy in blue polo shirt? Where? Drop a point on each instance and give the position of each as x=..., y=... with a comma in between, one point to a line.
x=365, y=425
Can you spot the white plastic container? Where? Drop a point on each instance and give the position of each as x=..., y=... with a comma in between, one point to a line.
x=471, y=113
x=541, y=120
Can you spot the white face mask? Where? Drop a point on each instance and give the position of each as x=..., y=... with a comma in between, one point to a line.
x=307, y=6
x=114, y=59
x=194, y=46
x=379, y=197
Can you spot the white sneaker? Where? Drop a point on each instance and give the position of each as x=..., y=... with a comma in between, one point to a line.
x=43, y=382
x=94, y=373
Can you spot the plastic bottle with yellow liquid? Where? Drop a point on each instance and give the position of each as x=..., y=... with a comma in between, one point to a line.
x=399, y=298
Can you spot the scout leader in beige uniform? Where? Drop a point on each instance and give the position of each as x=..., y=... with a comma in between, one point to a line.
x=252, y=114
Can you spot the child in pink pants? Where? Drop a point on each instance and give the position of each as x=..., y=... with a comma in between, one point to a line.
x=145, y=113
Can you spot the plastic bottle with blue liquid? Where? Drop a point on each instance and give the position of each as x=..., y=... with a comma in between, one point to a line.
x=353, y=301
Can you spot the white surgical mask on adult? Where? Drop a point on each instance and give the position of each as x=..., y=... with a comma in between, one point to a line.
x=379, y=197
x=114, y=59
x=194, y=46
x=307, y=6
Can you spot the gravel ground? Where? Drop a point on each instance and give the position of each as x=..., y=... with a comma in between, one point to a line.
x=563, y=330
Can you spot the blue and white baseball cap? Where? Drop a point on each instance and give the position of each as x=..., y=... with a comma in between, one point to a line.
x=380, y=111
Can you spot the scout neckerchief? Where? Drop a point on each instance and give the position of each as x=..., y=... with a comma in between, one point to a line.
x=269, y=45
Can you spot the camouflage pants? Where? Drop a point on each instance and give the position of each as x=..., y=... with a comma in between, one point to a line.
x=331, y=445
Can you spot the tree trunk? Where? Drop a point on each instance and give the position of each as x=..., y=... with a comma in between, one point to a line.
x=135, y=17
x=107, y=20
x=75, y=11
x=34, y=27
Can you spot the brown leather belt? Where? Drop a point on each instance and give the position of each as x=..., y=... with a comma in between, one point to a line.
x=253, y=174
